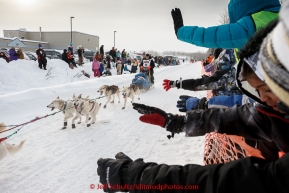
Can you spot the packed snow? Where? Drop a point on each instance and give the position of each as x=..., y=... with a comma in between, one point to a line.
x=55, y=160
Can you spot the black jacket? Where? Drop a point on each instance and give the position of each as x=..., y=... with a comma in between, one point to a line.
x=112, y=53
x=41, y=55
x=64, y=57
x=252, y=121
x=123, y=55
x=101, y=50
x=250, y=175
x=192, y=84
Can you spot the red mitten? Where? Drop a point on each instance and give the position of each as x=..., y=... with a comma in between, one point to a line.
x=155, y=119
x=171, y=84
x=166, y=84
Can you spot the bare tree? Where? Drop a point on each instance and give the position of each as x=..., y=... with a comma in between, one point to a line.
x=224, y=17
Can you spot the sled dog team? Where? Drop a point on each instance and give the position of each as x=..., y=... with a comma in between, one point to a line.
x=75, y=109
x=78, y=106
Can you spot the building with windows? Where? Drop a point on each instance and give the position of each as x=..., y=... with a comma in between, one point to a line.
x=50, y=40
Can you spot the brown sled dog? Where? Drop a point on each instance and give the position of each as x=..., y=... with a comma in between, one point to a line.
x=109, y=91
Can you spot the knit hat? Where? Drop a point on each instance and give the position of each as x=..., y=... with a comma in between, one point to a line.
x=274, y=59
x=39, y=46
x=255, y=64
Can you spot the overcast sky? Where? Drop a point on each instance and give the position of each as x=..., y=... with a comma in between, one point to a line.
x=140, y=24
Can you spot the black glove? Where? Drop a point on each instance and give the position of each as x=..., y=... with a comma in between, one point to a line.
x=178, y=19
x=110, y=172
x=156, y=116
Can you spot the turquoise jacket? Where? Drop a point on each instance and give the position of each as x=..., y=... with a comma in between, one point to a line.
x=245, y=17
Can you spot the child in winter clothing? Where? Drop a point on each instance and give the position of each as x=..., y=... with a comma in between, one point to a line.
x=101, y=67
x=95, y=67
x=71, y=59
x=125, y=68
x=119, y=66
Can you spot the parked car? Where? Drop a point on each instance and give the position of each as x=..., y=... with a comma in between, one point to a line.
x=52, y=54
x=139, y=58
x=31, y=56
x=88, y=54
x=5, y=51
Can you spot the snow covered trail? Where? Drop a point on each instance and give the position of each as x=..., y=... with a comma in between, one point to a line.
x=55, y=160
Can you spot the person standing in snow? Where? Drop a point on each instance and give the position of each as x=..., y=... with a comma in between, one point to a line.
x=119, y=66
x=41, y=57
x=118, y=55
x=113, y=54
x=101, y=51
x=134, y=66
x=123, y=56
x=147, y=62
x=80, y=52
x=95, y=67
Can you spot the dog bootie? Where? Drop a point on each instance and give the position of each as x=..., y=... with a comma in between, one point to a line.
x=65, y=125
x=73, y=126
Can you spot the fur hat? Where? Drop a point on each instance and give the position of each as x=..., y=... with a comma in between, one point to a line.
x=274, y=58
x=39, y=46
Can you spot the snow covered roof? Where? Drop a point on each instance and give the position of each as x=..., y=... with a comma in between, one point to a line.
x=23, y=40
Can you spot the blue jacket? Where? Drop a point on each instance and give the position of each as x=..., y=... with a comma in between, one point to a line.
x=245, y=16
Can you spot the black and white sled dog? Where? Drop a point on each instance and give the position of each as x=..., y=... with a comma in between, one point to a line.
x=85, y=107
x=109, y=91
x=130, y=91
x=7, y=147
x=67, y=108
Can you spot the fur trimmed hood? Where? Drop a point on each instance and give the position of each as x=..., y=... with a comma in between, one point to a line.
x=249, y=51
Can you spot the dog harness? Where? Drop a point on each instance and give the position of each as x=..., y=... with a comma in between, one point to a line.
x=64, y=107
x=81, y=106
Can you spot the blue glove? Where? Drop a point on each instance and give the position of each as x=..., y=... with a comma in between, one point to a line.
x=187, y=103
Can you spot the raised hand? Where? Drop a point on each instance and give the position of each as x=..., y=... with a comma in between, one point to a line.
x=178, y=19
